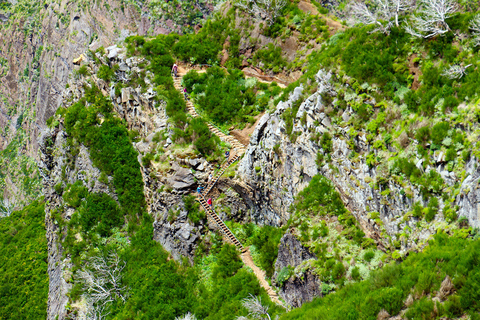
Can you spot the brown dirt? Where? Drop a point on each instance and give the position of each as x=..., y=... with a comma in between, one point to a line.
x=244, y=135
x=307, y=7
x=281, y=79
x=414, y=69
x=333, y=26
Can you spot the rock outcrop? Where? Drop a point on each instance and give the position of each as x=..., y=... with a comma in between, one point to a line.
x=278, y=165
x=56, y=169
x=302, y=286
x=172, y=229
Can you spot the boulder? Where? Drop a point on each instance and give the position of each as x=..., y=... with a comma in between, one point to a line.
x=182, y=179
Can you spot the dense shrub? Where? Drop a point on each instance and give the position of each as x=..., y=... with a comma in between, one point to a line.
x=221, y=96
x=102, y=212
x=23, y=264
x=204, y=46
x=193, y=209
x=106, y=73
x=266, y=241
x=228, y=263
x=320, y=198
x=75, y=193
x=271, y=57
x=110, y=146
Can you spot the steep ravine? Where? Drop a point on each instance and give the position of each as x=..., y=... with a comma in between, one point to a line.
x=166, y=181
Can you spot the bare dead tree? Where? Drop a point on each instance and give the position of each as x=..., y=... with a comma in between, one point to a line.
x=430, y=20
x=255, y=309
x=380, y=13
x=96, y=311
x=475, y=27
x=266, y=9
x=102, y=277
x=455, y=71
x=7, y=206
x=187, y=316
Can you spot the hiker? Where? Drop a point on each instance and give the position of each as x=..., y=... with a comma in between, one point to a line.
x=175, y=69
x=210, y=203
x=227, y=154
x=210, y=178
x=199, y=189
x=185, y=93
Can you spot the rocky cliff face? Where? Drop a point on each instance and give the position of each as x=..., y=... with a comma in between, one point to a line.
x=301, y=288
x=277, y=167
x=56, y=166
x=39, y=41
x=167, y=180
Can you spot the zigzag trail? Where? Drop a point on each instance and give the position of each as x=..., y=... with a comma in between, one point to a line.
x=228, y=236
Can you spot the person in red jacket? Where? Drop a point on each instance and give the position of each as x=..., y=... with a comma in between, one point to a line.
x=210, y=203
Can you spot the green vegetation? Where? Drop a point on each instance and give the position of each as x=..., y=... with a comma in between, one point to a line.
x=110, y=147
x=263, y=242
x=186, y=130
x=419, y=275
x=193, y=209
x=331, y=232
x=227, y=98
x=101, y=225
x=23, y=264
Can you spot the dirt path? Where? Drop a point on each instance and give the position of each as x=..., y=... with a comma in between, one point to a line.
x=260, y=274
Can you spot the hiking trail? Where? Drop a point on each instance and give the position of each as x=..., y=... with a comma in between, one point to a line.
x=239, y=149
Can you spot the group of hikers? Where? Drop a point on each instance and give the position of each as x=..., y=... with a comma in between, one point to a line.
x=209, y=180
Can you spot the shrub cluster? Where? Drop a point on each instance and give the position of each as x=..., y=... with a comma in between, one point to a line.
x=389, y=287
x=23, y=264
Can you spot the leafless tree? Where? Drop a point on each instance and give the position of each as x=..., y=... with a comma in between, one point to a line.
x=187, y=316
x=430, y=20
x=7, y=206
x=266, y=9
x=455, y=71
x=96, y=311
x=102, y=276
x=475, y=27
x=380, y=13
x=255, y=309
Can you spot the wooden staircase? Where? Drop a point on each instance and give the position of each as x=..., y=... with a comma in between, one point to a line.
x=217, y=176
x=237, y=145
x=228, y=236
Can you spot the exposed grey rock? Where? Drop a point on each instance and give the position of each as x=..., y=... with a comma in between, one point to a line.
x=299, y=288
x=122, y=66
x=178, y=236
x=182, y=179
x=53, y=160
x=291, y=253
x=112, y=52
